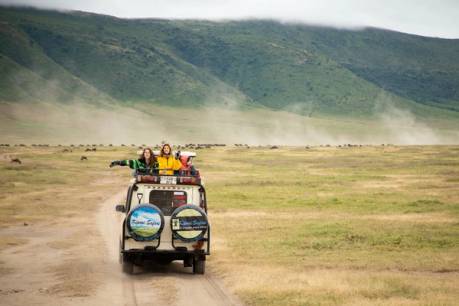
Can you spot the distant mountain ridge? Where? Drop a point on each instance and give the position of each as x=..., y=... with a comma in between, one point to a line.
x=305, y=69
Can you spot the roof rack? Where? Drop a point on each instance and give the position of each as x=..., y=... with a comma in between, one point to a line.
x=169, y=179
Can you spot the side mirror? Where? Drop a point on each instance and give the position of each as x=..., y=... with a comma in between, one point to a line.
x=120, y=208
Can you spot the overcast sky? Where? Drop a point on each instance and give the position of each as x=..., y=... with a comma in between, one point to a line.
x=438, y=18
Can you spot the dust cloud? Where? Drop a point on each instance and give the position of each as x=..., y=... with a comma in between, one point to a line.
x=402, y=126
x=144, y=123
x=226, y=116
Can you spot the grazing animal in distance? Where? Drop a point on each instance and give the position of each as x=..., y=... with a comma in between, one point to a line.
x=83, y=158
x=16, y=160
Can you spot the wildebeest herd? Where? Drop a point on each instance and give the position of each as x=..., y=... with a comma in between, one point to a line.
x=193, y=146
x=190, y=146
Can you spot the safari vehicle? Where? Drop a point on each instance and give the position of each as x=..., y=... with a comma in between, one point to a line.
x=165, y=220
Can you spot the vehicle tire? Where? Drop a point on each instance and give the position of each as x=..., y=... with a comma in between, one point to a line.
x=189, y=223
x=128, y=265
x=120, y=258
x=199, y=266
x=145, y=222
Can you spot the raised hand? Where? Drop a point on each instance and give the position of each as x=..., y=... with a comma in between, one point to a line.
x=115, y=163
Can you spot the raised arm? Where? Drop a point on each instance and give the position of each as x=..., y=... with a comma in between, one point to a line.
x=131, y=163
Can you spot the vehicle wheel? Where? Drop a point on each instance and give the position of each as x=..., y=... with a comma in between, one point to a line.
x=128, y=265
x=188, y=262
x=199, y=266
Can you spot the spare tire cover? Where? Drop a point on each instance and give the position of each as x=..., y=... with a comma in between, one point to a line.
x=145, y=222
x=189, y=223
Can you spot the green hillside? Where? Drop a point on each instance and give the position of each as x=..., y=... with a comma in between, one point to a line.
x=303, y=69
x=423, y=69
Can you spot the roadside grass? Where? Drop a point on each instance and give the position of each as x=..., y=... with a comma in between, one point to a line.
x=341, y=287
x=332, y=226
x=365, y=225
x=50, y=184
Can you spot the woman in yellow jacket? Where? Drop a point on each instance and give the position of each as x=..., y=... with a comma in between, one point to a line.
x=167, y=162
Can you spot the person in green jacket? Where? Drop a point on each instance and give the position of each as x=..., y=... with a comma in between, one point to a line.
x=146, y=162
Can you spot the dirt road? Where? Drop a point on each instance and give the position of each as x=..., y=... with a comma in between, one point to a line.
x=77, y=263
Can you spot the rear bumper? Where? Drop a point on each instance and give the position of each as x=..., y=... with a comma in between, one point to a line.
x=165, y=252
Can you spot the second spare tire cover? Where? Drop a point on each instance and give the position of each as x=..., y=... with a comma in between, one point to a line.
x=189, y=223
x=145, y=222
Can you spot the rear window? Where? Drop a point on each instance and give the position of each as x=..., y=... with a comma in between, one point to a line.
x=168, y=200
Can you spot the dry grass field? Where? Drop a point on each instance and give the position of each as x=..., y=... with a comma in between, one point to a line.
x=364, y=225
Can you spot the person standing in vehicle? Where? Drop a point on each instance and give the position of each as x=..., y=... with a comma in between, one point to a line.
x=167, y=162
x=187, y=165
x=146, y=162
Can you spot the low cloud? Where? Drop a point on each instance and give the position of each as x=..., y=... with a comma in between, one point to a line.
x=427, y=18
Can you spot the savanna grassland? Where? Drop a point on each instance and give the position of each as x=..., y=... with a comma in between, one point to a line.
x=362, y=225
x=291, y=226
